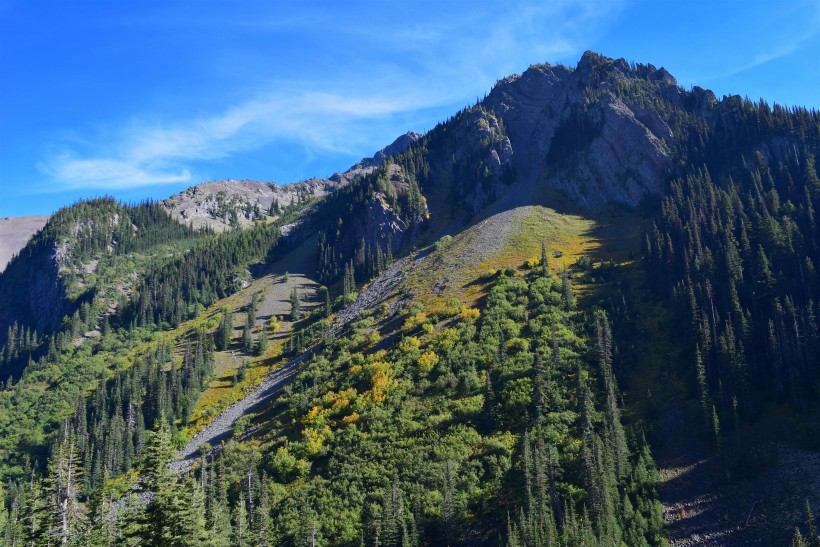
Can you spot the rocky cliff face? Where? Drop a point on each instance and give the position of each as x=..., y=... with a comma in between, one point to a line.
x=380, y=224
x=605, y=131
x=472, y=157
x=599, y=132
x=589, y=131
x=33, y=292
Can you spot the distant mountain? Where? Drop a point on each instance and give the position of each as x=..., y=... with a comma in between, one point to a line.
x=14, y=233
x=226, y=203
x=223, y=204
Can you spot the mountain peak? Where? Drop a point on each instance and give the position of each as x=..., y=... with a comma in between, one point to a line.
x=367, y=165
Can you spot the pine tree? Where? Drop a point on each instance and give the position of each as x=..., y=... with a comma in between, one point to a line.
x=349, y=281
x=262, y=342
x=4, y=517
x=62, y=486
x=616, y=435
x=191, y=526
x=449, y=514
x=797, y=538
x=102, y=529
x=241, y=533
x=247, y=340
x=253, y=308
x=131, y=524
x=812, y=535
x=326, y=294
x=35, y=514
x=262, y=522
x=539, y=386
x=15, y=530
x=218, y=510
x=567, y=295
x=241, y=372
x=165, y=515
x=544, y=263
x=225, y=331
x=295, y=306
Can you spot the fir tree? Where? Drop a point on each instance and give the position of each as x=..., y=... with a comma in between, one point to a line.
x=295, y=306
x=165, y=517
x=62, y=486
x=247, y=340
x=225, y=330
x=262, y=341
x=4, y=517
x=544, y=261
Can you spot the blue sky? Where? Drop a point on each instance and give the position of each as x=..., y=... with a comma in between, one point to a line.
x=143, y=99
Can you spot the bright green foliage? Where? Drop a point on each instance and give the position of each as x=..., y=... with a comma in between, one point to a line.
x=382, y=450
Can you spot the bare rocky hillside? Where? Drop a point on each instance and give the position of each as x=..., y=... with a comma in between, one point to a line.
x=222, y=204
x=225, y=203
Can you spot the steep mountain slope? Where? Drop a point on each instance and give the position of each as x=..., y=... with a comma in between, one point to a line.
x=368, y=165
x=604, y=132
x=589, y=260
x=75, y=271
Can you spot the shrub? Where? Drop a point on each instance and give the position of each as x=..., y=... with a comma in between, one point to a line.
x=427, y=362
x=441, y=243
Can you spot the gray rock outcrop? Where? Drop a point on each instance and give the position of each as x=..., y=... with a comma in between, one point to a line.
x=584, y=132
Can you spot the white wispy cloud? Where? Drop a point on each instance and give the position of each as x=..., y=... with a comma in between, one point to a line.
x=105, y=173
x=434, y=64
x=144, y=155
x=770, y=55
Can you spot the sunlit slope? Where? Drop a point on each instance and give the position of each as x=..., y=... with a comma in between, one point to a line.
x=273, y=290
x=458, y=266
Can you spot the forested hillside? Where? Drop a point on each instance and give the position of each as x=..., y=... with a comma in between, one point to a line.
x=79, y=267
x=508, y=418
x=738, y=256
x=577, y=230
x=46, y=377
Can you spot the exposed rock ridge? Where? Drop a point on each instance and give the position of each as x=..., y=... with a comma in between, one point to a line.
x=225, y=203
x=583, y=131
x=368, y=165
